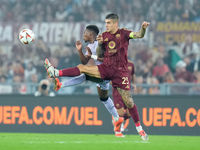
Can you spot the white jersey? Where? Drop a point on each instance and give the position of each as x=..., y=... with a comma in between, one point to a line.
x=93, y=48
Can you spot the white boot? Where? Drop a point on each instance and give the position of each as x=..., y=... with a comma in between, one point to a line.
x=51, y=71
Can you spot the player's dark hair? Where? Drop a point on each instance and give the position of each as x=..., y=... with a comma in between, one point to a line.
x=93, y=28
x=112, y=16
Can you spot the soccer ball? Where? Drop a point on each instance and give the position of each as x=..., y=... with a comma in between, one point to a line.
x=26, y=36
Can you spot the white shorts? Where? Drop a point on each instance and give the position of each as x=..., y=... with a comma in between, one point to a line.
x=104, y=85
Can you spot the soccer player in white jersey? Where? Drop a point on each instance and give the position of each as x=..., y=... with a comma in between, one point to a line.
x=89, y=35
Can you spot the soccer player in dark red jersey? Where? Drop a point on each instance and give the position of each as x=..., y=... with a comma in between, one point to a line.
x=114, y=42
x=121, y=107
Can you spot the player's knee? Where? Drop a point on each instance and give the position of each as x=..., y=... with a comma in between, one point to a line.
x=103, y=99
x=80, y=66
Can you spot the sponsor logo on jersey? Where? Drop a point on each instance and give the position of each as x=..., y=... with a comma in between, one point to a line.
x=112, y=50
x=106, y=39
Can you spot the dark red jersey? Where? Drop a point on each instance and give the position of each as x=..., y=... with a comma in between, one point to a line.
x=131, y=71
x=116, y=46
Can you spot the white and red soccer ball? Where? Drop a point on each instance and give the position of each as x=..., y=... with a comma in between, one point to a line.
x=26, y=36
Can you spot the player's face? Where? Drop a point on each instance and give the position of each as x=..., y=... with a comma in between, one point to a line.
x=110, y=25
x=86, y=35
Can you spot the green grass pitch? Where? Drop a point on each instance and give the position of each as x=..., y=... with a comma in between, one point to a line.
x=34, y=141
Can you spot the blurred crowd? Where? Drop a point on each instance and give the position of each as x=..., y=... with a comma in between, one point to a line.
x=26, y=62
x=95, y=10
x=170, y=62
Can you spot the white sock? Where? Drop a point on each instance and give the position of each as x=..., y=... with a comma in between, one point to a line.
x=116, y=118
x=74, y=81
x=139, y=128
x=111, y=108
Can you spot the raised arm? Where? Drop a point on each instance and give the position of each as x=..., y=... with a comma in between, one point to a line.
x=141, y=33
x=84, y=58
x=100, y=51
x=90, y=55
x=100, y=59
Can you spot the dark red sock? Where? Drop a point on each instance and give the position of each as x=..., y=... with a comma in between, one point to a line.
x=70, y=72
x=134, y=114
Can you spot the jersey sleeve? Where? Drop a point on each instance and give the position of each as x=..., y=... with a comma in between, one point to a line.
x=86, y=53
x=127, y=33
x=104, y=35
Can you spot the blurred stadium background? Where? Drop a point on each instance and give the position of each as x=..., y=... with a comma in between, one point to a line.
x=174, y=34
x=172, y=108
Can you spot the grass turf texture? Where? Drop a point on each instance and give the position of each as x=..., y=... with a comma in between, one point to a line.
x=32, y=141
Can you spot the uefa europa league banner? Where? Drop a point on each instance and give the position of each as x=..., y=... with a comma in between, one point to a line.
x=160, y=115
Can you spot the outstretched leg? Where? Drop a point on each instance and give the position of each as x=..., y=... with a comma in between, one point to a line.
x=92, y=71
x=74, y=81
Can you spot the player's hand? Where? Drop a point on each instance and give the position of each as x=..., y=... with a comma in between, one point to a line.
x=100, y=38
x=88, y=51
x=79, y=45
x=145, y=24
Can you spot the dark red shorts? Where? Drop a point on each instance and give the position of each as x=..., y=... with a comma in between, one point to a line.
x=119, y=78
